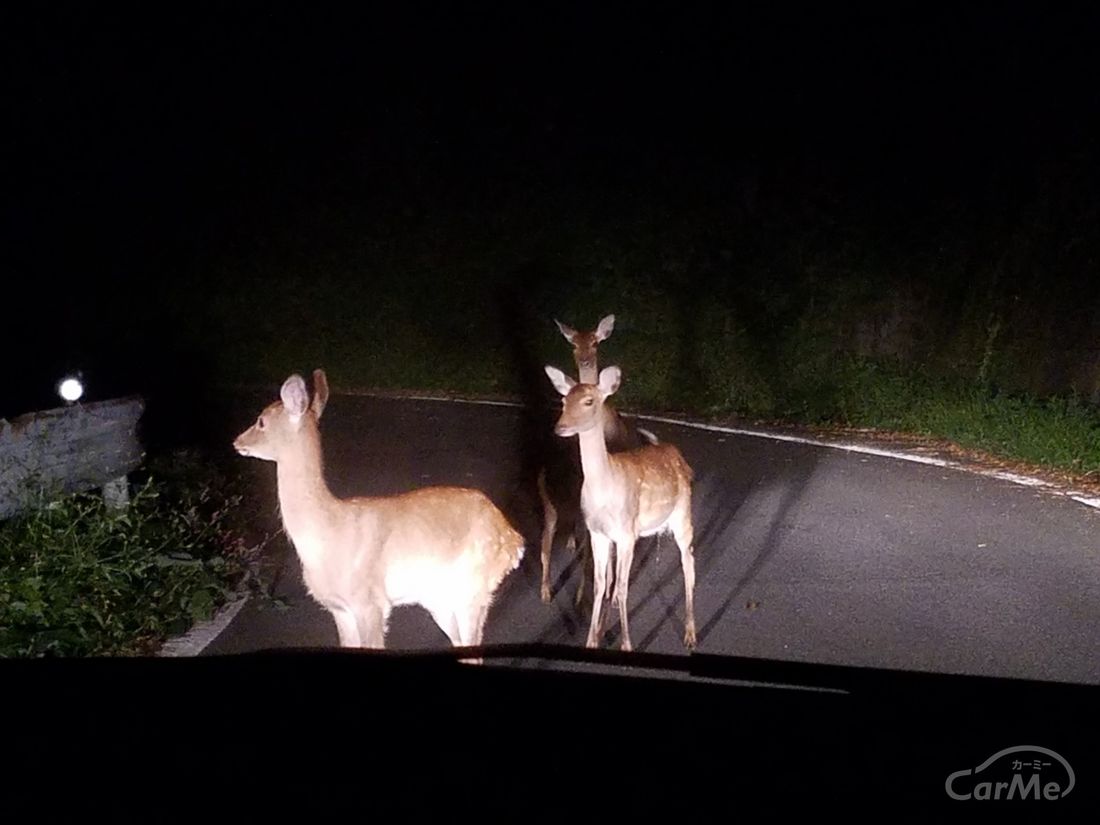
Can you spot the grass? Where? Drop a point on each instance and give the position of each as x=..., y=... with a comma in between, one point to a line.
x=1059, y=432
x=1056, y=433
x=78, y=578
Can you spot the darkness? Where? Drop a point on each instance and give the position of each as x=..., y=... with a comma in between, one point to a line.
x=141, y=143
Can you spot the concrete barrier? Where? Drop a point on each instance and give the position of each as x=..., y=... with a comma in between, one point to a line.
x=52, y=453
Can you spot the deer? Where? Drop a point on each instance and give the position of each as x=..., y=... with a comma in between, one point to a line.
x=559, y=486
x=640, y=492
x=444, y=548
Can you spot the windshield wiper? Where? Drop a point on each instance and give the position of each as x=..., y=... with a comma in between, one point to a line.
x=718, y=667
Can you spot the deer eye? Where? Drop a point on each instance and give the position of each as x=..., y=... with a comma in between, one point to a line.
x=588, y=402
x=260, y=424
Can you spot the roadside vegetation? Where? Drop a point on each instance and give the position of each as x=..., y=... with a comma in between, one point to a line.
x=80, y=578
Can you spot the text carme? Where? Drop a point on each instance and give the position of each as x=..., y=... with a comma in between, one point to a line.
x=1016, y=773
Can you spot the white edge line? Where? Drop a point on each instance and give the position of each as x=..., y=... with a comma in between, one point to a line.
x=202, y=634
x=484, y=403
x=1014, y=478
x=797, y=439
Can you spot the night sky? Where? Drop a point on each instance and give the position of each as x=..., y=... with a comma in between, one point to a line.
x=138, y=137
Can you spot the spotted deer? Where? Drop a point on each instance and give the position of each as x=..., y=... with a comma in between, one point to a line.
x=639, y=492
x=446, y=549
x=559, y=484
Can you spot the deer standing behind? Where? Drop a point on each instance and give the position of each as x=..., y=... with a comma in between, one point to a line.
x=559, y=482
x=625, y=496
x=446, y=549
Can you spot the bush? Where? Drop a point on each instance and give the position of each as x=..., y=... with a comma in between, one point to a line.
x=78, y=578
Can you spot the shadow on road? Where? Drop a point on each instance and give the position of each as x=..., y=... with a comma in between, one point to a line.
x=792, y=482
x=536, y=447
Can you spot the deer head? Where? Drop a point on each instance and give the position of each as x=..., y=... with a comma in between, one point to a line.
x=585, y=345
x=278, y=427
x=582, y=404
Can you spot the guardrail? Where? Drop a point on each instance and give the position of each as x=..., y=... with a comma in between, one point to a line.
x=57, y=452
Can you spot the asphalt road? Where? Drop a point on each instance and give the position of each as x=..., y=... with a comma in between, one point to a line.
x=803, y=553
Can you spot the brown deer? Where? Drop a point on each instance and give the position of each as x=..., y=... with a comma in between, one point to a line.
x=446, y=549
x=625, y=496
x=559, y=486
x=621, y=433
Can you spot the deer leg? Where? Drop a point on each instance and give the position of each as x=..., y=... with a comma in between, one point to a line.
x=684, y=533
x=446, y=620
x=601, y=558
x=549, y=524
x=624, y=551
x=585, y=548
x=371, y=624
x=347, y=629
x=471, y=628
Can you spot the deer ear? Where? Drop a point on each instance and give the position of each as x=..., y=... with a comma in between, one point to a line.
x=606, y=325
x=295, y=396
x=320, y=392
x=568, y=332
x=562, y=382
x=610, y=378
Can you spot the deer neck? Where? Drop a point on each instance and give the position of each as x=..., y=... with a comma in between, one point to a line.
x=304, y=497
x=594, y=459
x=612, y=424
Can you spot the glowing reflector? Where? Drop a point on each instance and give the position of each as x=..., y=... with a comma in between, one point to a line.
x=70, y=389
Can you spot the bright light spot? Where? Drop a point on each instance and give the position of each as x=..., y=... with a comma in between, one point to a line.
x=71, y=389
